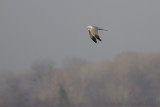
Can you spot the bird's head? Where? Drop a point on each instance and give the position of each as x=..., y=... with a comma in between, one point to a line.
x=89, y=27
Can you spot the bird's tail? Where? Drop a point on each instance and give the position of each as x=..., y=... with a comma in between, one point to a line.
x=102, y=29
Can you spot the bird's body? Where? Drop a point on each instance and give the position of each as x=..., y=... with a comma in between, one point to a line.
x=93, y=32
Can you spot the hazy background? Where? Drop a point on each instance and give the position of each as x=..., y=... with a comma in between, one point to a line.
x=33, y=30
x=60, y=66
x=130, y=80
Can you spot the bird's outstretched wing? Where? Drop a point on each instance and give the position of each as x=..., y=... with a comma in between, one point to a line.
x=92, y=37
x=98, y=37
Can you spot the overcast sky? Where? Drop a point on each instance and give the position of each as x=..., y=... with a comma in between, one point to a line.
x=57, y=29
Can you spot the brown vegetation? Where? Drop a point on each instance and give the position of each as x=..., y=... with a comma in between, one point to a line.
x=131, y=79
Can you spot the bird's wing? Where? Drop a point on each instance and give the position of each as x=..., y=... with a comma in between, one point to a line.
x=95, y=31
x=98, y=37
x=92, y=37
x=92, y=31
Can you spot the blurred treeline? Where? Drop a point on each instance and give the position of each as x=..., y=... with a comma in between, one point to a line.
x=131, y=79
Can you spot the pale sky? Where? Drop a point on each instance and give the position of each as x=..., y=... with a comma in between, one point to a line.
x=57, y=29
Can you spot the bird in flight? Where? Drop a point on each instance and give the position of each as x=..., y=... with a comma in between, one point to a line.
x=93, y=32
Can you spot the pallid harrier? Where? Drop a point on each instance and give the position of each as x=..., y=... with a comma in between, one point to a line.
x=93, y=32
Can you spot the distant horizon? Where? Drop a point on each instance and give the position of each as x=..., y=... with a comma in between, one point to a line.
x=73, y=60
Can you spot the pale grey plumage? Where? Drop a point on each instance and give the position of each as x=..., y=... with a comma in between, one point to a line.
x=93, y=32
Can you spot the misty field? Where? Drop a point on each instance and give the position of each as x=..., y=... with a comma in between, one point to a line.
x=130, y=80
